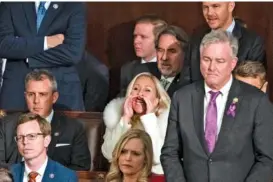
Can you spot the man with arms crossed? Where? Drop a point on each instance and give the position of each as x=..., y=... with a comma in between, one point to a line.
x=220, y=129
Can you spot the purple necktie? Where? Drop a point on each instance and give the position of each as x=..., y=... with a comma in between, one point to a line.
x=211, y=122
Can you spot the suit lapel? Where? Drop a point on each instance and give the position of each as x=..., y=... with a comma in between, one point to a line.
x=53, y=10
x=198, y=113
x=228, y=120
x=30, y=12
x=56, y=131
x=173, y=87
x=237, y=31
x=49, y=171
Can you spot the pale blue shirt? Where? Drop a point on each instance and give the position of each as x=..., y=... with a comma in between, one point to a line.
x=231, y=27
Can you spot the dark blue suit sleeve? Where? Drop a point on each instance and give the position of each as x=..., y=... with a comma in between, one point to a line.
x=14, y=47
x=70, y=52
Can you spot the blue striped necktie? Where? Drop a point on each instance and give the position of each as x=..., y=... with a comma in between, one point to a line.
x=40, y=14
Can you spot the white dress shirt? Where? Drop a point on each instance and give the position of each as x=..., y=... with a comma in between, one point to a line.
x=231, y=27
x=220, y=103
x=152, y=60
x=50, y=116
x=40, y=172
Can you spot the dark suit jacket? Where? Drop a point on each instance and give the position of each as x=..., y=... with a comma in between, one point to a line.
x=19, y=40
x=94, y=84
x=127, y=74
x=244, y=150
x=54, y=172
x=64, y=130
x=251, y=47
x=153, y=69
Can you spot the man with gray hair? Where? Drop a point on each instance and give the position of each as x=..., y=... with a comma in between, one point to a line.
x=69, y=142
x=219, y=129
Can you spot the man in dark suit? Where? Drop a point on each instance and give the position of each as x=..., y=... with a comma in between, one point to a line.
x=171, y=45
x=219, y=129
x=95, y=82
x=54, y=40
x=146, y=30
x=68, y=144
x=33, y=138
x=218, y=15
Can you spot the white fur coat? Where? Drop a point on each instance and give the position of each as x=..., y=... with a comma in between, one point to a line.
x=115, y=127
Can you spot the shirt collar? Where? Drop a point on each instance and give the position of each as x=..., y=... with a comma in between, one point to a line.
x=231, y=26
x=37, y=3
x=40, y=171
x=50, y=116
x=224, y=90
x=170, y=79
x=152, y=60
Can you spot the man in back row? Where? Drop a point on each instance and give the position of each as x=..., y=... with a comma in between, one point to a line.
x=145, y=33
x=218, y=16
x=68, y=144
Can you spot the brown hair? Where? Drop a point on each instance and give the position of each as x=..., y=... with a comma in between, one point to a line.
x=44, y=125
x=114, y=174
x=158, y=23
x=177, y=32
x=252, y=69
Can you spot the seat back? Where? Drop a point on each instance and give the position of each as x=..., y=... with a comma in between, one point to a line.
x=91, y=176
x=95, y=129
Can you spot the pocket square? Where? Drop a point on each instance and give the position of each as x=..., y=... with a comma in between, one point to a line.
x=62, y=144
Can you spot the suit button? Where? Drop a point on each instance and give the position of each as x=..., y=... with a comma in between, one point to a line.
x=210, y=161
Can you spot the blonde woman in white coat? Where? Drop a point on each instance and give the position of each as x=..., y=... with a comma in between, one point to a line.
x=146, y=106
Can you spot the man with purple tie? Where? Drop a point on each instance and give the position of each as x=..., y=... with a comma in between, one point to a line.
x=219, y=129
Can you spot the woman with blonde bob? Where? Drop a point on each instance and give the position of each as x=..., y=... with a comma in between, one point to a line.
x=132, y=158
x=146, y=107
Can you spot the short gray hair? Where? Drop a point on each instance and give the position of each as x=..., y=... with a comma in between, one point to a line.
x=42, y=74
x=220, y=36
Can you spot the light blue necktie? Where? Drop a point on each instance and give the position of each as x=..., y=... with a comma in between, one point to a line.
x=40, y=14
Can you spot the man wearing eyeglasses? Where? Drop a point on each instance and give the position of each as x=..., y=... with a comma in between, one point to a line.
x=33, y=136
x=69, y=142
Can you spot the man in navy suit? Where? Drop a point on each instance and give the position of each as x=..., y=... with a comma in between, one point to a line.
x=48, y=35
x=33, y=135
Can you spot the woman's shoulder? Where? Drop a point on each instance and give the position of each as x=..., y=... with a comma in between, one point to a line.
x=113, y=112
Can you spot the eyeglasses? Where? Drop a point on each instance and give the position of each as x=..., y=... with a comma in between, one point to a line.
x=31, y=136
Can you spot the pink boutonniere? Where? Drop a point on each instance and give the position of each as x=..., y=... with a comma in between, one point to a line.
x=232, y=108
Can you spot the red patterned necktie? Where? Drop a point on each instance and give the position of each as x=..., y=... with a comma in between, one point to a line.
x=211, y=122
x=32, y=176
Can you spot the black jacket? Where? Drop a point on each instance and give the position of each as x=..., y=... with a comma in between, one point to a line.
x=251, y=47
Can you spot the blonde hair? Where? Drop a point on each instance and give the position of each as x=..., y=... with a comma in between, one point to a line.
x=158, y=23
x=164, y=99
x=114, y=174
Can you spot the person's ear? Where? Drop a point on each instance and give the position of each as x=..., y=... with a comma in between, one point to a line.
x=55, y=97
x=47, y=141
